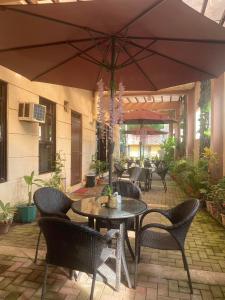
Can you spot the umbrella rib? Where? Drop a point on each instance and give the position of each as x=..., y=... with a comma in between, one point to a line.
x=46, y=44
x=185, y=40
x=151, y=7
x=5, y=7
x=174, y=59
x=89, y=57
x=128, y=61
x=65, y=61
x=139, y=67
x=104, y=57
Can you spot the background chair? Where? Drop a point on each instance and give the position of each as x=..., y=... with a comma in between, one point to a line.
x=125, y=189
x=51, y=202
x=74, y=246
x=172, y=237
x=162, y=170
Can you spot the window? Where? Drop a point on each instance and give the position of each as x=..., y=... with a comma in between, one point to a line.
x=3, y=131
x=47, y=138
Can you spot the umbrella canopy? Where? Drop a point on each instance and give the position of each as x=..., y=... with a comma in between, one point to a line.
x=150, y=44
x=145, y=131
x=146, y=117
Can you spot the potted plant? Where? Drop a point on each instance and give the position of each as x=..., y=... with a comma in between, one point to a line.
x=27, y=212
x=6, y=216
x=112, y=199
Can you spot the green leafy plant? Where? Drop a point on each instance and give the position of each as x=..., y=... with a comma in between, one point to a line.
x=100, y=167
x=108, y=191
x=55, y=180
x=169, y=146
x=6, y=212
x=30, y=181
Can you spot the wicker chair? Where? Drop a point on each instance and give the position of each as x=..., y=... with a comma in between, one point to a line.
x=125, y=189
x=174, y=236
x=74, y=246
x=118, y=170
x=162, y=170
x=51, y=202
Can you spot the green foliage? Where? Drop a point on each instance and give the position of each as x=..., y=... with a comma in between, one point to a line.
x=100, y=167
x=168, y=146
x=108, y=191
x=217, y=194
x=30, y=181
x=6, y=212
x=55, y=180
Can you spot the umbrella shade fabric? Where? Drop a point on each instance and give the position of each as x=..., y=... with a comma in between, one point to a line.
x=145, y=131
x=150, y=44
x=146, y=117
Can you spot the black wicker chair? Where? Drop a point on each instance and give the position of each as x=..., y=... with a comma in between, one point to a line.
x=173, y=237
x=51, y=202
x=125, y=189
x=118, y=170
x=162, y=170
x=74, y=246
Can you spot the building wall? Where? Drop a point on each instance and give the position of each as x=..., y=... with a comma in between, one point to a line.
x=23, y=137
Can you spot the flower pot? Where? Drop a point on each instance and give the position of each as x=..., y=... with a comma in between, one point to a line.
x=4, y=227
x=90, y=180
x=223, y=219
x=209, y=205
x=215, y=212
x=26, y=213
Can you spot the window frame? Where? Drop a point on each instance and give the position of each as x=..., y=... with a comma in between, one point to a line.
x=3, y=159
x=46, y=102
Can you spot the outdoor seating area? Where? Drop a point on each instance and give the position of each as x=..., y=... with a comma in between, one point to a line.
x=112, y=149
x=160, y=272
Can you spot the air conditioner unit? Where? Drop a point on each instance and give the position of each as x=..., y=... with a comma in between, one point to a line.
x=32, y=112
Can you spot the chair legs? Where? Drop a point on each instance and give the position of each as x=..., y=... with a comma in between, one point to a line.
x=136, y=268
x=44, y=283
x=37, y=247
x=187, y=269
x=93, y=286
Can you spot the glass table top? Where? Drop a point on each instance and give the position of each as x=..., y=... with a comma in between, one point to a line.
x=93, y=207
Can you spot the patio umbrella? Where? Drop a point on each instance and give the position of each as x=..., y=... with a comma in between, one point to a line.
x=146, y=117
x=147, y=44
x=144, y=131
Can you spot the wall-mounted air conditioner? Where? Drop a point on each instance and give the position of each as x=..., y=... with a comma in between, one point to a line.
x=32, y=112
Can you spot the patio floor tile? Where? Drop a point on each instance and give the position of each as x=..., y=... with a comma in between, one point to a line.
x=161, y=273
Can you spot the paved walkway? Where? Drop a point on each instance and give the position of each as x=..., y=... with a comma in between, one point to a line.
x=161, y=274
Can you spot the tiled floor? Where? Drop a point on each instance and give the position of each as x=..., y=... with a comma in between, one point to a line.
x=161, y=274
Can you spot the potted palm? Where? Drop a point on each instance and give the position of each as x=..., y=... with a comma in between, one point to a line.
x=6, y=217
x=27, y=212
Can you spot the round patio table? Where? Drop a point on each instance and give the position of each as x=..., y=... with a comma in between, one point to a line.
x=128, y=208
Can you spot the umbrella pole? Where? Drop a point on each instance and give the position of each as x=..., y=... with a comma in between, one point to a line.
x=112, y=111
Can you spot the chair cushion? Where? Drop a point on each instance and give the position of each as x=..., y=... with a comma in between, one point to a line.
x=158, y=240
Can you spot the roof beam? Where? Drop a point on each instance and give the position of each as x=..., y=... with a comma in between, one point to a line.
x=136, y=98
x=204, y=5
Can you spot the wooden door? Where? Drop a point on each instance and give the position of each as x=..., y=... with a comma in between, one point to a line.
x=76, y=148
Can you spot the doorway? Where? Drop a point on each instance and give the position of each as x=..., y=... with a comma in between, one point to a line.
x=76, y=148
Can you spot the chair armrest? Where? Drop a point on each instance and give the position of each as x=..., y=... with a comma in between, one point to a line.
x=112, y=233
x=56, y=214
x=163, y=212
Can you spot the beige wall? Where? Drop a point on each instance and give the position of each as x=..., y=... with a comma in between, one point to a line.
x=23, y=136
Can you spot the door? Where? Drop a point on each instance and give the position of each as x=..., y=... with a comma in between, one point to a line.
x=76, y=148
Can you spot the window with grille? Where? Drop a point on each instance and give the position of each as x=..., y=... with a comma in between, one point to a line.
x=3, y=131
x=47, y=138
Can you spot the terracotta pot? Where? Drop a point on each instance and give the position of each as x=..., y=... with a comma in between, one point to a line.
x=223, y=219
x=4, y=227
x=209, y=205
x=215, y=212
